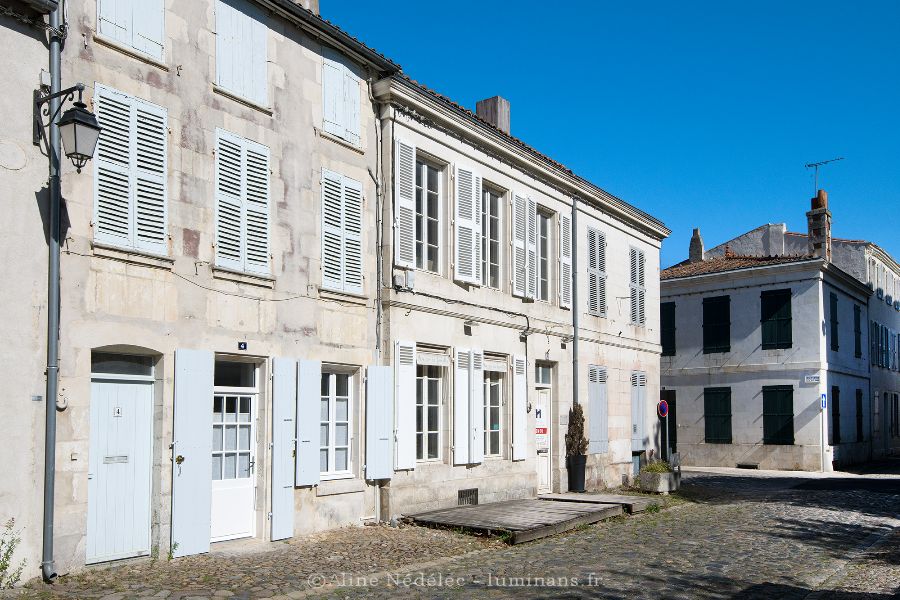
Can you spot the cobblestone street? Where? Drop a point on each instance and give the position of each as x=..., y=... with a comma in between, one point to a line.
x=740, y=535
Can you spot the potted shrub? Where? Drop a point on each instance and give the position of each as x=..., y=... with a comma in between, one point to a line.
x=576, y=449
x=659, y=476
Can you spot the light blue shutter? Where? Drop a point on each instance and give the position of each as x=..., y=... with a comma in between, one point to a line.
x=638, y=398
x=309, y=389
x=332, y=230
x=531, y=247
x=520, y=409
x=114, y=19
x=404, y=205
x=476, y=410
x=113, y=168
x=333, y=103
x=520, y=235
x=379, y=422
x=241, y=50
x=476, y=245
x=465, y=232
x=284, y=399
x=461, y=408
x=256, y=207
x=192, y=442
x=598, y=417
x=351, y=107
x=596, y=273
x=257, y=49
x=229, y=205
x=227, y=46
x=565, y=261
x=150, y=178
x=149, y=27
x=353, y=232
x=405, y=416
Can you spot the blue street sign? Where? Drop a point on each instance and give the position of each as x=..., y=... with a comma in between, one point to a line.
x=824, y=401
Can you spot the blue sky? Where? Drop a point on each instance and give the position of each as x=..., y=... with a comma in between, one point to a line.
x=700, y=113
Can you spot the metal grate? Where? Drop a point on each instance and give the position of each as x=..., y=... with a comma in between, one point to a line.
x=467, y=497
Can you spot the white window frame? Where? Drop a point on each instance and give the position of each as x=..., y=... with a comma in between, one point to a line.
x=538, y=365
x=489, y=377
x=544, y=216
x=332, y=373
x=253, y=392
x=421, y=384
x=422, y=166
x=486, y=256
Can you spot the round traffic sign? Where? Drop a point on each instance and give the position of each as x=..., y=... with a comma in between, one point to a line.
x=662, y=409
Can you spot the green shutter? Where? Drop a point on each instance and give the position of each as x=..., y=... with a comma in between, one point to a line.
x=859, y=415
x=717, y=324
x=775, y=316
x=717, y=415
x=857, y=331
x=833, y=314
x=778, y=415
x=667, y=327
x=835, y=415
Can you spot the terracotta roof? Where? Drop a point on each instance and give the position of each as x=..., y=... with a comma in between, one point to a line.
x=728, y=263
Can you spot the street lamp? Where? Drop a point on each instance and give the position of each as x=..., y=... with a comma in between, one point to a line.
x=78, y=126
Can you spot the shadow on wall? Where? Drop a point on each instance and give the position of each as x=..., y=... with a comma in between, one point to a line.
x=42, y=199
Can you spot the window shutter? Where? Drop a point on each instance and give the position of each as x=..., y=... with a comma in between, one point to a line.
x=332, y=230
x=309, y=387
x=241, y=50
x=532, y=249
x=334, y=110
x=229, y=211
x=461, y=384
x=112, y=164
x=405, y=205
x=638, y=290
x=476, y=239
x=149, y=26
x=256, y=241
x=565, y=261
x=150, y=174
x=228, y=46
x=465, y=232
x=638, y=397
x=520, y=407
x=379, y=422
x=353, y=216
x=598, y=419
x=284, y=405
x=114, y=19
x=351, y=107
x=520, y=235
x=476, y=410
x=596, y=273
x=258, y=68
x=405, y=416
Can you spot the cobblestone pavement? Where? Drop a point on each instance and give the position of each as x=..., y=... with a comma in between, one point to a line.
x=742, y=535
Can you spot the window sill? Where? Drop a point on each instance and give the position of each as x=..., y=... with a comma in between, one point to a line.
x=246, y=102
x=127, y=51
x=337, y=140
x=133, y=257
x=334, y=485
x=346, y=297
x=238, y=277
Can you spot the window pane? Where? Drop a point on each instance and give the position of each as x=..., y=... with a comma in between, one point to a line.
x=323, y=460
x=230, y=466
x=495, y=443
x=341, y=434
x=326, y=378
x=243, y=465
x=495, y=419
x=432, y=445
x=217, y=439
x=244, y=414
x=323, y=434
x=244, y=437
x=217, y=467
x=323, y=409
x=419, y=419
x=230, y=409
x=419, y=455
x=121, y=364
x=432, y=179
x=217, y=409
x=340, y=459
x=342, y=387
x=231, y=437
x=432, y=418
x=341, y=408
x=234, y=374
x=433, y=389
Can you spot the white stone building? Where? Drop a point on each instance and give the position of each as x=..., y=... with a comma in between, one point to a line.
x=245, y=351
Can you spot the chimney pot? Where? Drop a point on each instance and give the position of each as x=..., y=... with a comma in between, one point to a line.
x=495, y=111
x=818, y=221
x=821, y=200
x=695, y=250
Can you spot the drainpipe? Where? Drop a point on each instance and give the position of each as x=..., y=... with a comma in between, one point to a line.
x=379, y=198
x=54, y=152
x=576, y=312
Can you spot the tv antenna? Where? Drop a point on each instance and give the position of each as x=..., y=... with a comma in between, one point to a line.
x=815, y=166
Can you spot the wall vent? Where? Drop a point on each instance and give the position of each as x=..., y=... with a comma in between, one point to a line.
x=467, y=497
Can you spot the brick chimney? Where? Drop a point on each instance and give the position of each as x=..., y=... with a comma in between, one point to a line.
x=495, y=111
x=695, y=250
x=310, y=5
x=818, y=221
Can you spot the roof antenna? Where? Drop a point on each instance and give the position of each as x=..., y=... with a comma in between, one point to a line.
x=816, y=166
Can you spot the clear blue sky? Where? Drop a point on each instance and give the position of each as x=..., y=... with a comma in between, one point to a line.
x=700, y=113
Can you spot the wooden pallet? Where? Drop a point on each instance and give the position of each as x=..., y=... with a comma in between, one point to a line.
x=524, y=520
x=631, y=504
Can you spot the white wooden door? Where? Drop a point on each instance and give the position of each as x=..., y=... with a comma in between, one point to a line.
x=542, y=438
x=119, y=470
x=233, y=465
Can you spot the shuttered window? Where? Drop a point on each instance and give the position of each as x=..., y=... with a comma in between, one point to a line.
x=130, y=168
x=241, y=50
x=859, y=415
x=775, y=309
x=598, y=411
x=778, y=415
x=717, y=415
x=833, y=321
x=242, y=204
x=520, y=242
x=667, y=328
x=596, y=261
x=835, y=415
x=466, y=225
x=491, y=226
x=138, y=24
x=857, y=331
x=342, y=210
x=340, y=97
x=405, y=200
x=638, y=290
x=565, y=261
x=716, y=324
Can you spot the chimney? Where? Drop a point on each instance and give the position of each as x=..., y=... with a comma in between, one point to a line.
x=695, y=251
x=818, y=221
x=310, y=5
x=495, y=111
x=773, y=240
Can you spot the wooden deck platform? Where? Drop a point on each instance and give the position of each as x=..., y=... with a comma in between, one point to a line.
x=524, y=520
x=631, y=504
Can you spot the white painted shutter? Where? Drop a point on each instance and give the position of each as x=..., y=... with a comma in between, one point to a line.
x=150, y=178
x=353, y=231
x=478, y=250
x=465, y=231
x=333, y=108
x=256, y=207
x=598, y=415
x=257, y=49
x=520, y=407
x=332, y=230
x=596, y=273
x=114, y=19
x=112, y=168
x=405, y=205
x=228, y=46
x=379, y=422
x=284, y=405
x=461, y=388
x=229, y=206
x=192, y=441
x=565, y=261
x=476, y=410
x=520, y=254
x=405, y=416
x=351, y=107
x=638, y=398
x=241, y=50
x=532, y=249
x=148, y=27
x=638, y=291
x=309, y=390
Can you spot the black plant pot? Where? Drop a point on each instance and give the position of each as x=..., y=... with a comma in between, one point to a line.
x=575, y=468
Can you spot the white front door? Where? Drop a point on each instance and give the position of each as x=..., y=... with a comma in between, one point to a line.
x=233, y=461
x=542, y=438
x=119, y=469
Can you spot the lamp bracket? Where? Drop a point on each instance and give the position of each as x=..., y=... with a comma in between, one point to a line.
x=40, y=99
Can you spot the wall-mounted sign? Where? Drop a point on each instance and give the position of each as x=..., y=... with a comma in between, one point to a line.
x=824, y=401
x=662, y=409
x=242, y=345
x=811, y=379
